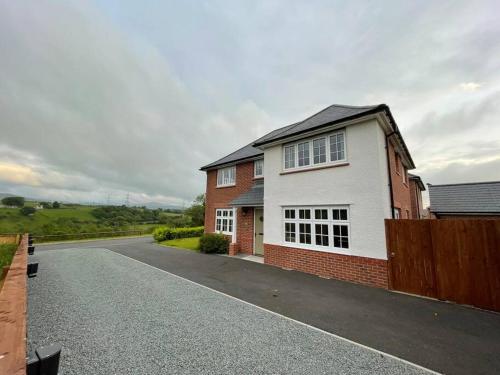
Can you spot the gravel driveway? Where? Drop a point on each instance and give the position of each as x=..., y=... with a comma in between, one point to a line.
x=114, y=315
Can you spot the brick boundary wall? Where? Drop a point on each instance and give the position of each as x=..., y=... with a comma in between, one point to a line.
x=13, y=307
x=360, y=270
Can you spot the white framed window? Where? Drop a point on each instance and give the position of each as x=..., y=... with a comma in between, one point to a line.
x=226, y=176
x=258, y=168
x=405, y=175
x=325, y=228
x=303, y=154
x=319, y=151
x=337, y=147
x=224, y=220
x=324, y=150
x=289, y=157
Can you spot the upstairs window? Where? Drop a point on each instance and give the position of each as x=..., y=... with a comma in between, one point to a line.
x=290, y=157
x=226, y=176
x=303, y=154
x=319, y=150
x=329, y=149
x=337, y=151
x=258, y=168
x=398, y=162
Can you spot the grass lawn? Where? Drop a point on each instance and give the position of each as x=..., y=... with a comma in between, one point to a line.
x=191, y=243
x=6, y=254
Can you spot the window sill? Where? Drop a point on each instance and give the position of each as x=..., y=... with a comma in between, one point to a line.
x=259, y=178
x=315, y=168
x=317, y=248
x=225, y=186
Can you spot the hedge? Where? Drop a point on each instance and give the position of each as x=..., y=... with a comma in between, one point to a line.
x=166, y=233
x=214, y=243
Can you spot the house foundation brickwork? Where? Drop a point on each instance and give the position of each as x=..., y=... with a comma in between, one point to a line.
x=360, y=270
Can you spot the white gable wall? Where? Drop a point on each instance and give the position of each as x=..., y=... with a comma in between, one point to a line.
x=363, y=185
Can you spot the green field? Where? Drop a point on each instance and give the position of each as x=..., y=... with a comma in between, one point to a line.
x=79, y=220
x=11, y=221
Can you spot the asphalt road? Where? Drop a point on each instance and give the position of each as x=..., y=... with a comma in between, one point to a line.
x=114, y=315
x=444, y=337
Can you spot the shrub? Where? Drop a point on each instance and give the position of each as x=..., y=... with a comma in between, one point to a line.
x=26, y=211
x=214, y=243
x=166, y=233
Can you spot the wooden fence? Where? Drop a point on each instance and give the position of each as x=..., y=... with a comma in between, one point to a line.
x=455, y=260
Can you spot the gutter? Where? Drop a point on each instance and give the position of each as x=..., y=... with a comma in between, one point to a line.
x=389, y=171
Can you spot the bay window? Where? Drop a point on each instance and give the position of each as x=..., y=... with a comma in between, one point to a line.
x=325, y=228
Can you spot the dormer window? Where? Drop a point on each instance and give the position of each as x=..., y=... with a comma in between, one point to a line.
x=258, y=168
x=324, y=150
x=226, y=176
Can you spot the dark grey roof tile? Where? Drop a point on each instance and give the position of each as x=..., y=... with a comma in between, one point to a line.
x=479, y=197
x=251, y=198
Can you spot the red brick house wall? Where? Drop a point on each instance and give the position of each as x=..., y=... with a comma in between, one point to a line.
x=400, y=189
x=361, y=270
x=416, y=200
x=221, y=197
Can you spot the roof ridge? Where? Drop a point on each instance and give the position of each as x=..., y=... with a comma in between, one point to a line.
x=466, y=183
x=315, y=114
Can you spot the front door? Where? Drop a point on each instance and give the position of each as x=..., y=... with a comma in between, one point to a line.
x=258, y=244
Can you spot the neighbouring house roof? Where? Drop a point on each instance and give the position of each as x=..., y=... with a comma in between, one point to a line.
x=244, y=153
x=469, y=198
x=418, y=180
x=331, y=115
x=251, y=198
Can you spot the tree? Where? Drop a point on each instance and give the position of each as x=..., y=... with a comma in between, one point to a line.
x=56, y=204
x=26, y=211
x=197, y=210
x=13, y=201
x=46, y=204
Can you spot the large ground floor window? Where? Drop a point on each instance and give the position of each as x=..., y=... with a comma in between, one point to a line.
x=224, y=220
x=323, y=228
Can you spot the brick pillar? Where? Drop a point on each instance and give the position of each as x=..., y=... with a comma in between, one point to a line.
x=233, y=248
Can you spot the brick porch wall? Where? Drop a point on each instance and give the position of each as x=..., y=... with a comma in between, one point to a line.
x=245, y=232
x=360, y=270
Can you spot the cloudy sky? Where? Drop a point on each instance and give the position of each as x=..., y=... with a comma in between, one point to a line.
x=103, y=98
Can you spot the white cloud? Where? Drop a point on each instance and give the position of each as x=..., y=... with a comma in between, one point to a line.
x=470, y=86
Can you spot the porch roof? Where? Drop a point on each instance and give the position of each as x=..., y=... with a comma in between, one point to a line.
x=251, y=198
